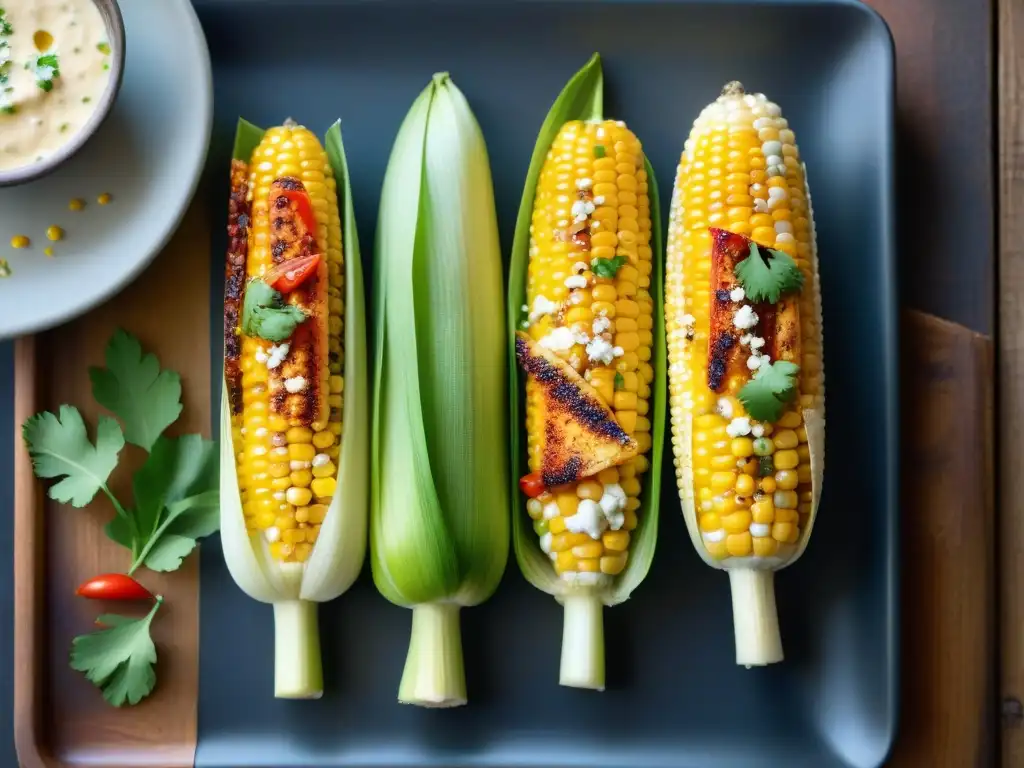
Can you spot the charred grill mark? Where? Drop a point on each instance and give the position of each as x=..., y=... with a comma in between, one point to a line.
x=724, y=354
x=785, y=344
x=566, y=398
x=234, y=280
x=308, y=355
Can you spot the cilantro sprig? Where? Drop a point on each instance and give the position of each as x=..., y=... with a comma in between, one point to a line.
x=608, y=267
x=175, y=495
x=767, y=277
x=767, y=393
x=46, y=69
x=266, y=315
x=119, y=659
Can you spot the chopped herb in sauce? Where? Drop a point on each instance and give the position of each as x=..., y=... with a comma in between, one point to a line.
x=5, y=26
x=64, y=127
x=103, y=48
x=599, y=150
x=47, y=69
x=620, y=382
x=86, y=99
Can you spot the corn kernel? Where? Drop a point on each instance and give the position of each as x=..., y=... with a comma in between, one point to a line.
x=615, y=541
x=589, y=550
x=631, y=486
x=565, y=561
x=299, y=435
x=590, y=565
x=782, y=531
x=765, y=546
x=323, y=440
x=737, y=522
x=763, y=511
x=323, y=487
x=723, y=481
x=786, y=480
x=768, y=484
x=739, y=544
x=588, y=489
x=317, y=513
x=301, y=452
x=741, y=447
x=744, y=485
x=299, y=497
x=325, y=470
x=556, y=525
x=613, y=564
x=789, y=420
x=786, y=460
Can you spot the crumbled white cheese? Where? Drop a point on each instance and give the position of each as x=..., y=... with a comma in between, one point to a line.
x=724, y=408
x=618, y=351
x=558, y=340
x=277, y=354
x=261, y=356
x=737, y=294
x=272, y=534
x=584, y=183
x=738, y=427
x=599, y=350
x=599, y=200
x=756, y=342
x=542, y=306
x=757, y=430
x=689, y=320
x=579, y=210
x=295, y=384
x=551, y=511
x=745, y=339
x=601, y=324
x=612, y=502
x=745, y=318
x=754, y=362
x=588, y=519
x=714, y=536
x=575, y=298
x=576, y=281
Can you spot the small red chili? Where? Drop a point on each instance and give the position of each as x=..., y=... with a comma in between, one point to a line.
x=532, y=484
x=113, y=586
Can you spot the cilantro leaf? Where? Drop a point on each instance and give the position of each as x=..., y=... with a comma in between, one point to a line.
x=133, y=387
x=767, y=278
x=169, y=552
x=186, y=521
x=767, y=393
x=119, y=659
x=60, y=447
x=599, y=150
x=265, y=314
x=46, y=70
x=119, y=531
x=608, y=267
x=620, y=381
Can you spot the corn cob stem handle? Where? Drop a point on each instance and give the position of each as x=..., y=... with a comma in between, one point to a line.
x=298, y=672
x=582, y=663
x=434, y=675
x=755, y=619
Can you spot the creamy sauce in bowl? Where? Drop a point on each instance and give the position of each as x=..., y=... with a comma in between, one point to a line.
x=55, y=64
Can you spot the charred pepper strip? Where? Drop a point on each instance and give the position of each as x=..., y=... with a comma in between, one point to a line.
x=234, y=280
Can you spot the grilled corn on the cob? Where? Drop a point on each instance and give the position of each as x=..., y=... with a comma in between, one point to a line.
x=743, y=320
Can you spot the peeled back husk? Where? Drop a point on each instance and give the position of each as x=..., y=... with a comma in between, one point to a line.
x=582, y=662
x=438, y=528
x=294, y=589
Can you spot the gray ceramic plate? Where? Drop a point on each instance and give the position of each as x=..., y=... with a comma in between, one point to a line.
x=676, y=698
x=148, y=155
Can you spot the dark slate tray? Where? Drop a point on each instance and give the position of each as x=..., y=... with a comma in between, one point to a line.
x=676, y=699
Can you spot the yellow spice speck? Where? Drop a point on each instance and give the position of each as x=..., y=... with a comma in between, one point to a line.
x=48, y=251
x=77, y=204
x=54, y=233
x=20, y=241
x=104, y=198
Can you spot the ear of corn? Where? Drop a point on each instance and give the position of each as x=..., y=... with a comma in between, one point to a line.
x=750, y=488
x=587, y=267
x=294, y=484
x=439, y=533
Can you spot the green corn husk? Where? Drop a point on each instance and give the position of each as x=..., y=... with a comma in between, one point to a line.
x=582, y=662
x=439, y=532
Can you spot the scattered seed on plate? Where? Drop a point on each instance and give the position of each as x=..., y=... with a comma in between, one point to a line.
x=48, y=251
x=77, y=204
x=20, y=241
x=54, y=233
x=104, y=198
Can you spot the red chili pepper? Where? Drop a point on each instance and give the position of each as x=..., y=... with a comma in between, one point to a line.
x=303, y=207
x=114, y=586
x=289, y=275
x=532, y=484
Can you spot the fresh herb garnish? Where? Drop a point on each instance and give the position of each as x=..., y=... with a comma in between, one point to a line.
x=5, y=268
x=766, y=394
x=46, y=69
x=599, y=150
x=119, y=659
x=103, y=48
x=86, y=99
x=64, y=127
x=608, y=267
x=176, y=497
x=766, y=466
x=5, y=26
x=619, y=381
x=765, y=278
x=265, y=315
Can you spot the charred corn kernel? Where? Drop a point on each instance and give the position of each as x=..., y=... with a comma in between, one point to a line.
x=786, y=480
x=323, y=487
x=615, y=541
x=588, y=489
x=744, y=485
x=740, y=170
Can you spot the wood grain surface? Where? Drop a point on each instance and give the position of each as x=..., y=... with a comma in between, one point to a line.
x=60, y=718
x=1011, y=377
x=948, y=618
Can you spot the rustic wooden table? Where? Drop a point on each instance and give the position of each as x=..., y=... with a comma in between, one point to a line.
x=955, y=116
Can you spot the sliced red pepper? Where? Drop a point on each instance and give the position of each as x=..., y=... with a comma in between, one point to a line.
x=303, y=207
x=114, y=586
x=532, y=484
x=289, y=275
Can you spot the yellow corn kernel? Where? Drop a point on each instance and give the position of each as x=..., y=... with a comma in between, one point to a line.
x=782, y=532
x=615, y=541
x=325, y=470
x=723, y=481
x=786, y=480
x=768, y=484
x=299, y=497
x=556, y=525
x=742, y=447
x=589, y=550
x=631, y=486
x=567, y=503
x=590, y=565
x=299, y=435
x=765, y=546
x=301, y=452
x=565, y=561
x=763, y=511
x=323, y=440
x=613, y=564
x=785, y=439
x=608, y=476
x=744, y=485
x=789, y=420
x=317, y=513
x=323, y=487
x=630, y=520
x=588, y=489
x=301, y=478
x=737, y=522
x=786, y=460
x=739, y=544
x=302, y=515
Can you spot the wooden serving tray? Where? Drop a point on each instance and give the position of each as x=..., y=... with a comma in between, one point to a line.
x=59, y=717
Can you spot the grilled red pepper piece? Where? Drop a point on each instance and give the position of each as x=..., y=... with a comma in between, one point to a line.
x=532, y=484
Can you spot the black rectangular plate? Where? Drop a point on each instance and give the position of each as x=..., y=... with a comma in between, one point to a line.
x=676, y=699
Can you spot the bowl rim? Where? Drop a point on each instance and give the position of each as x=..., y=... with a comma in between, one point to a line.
x=110, y=10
